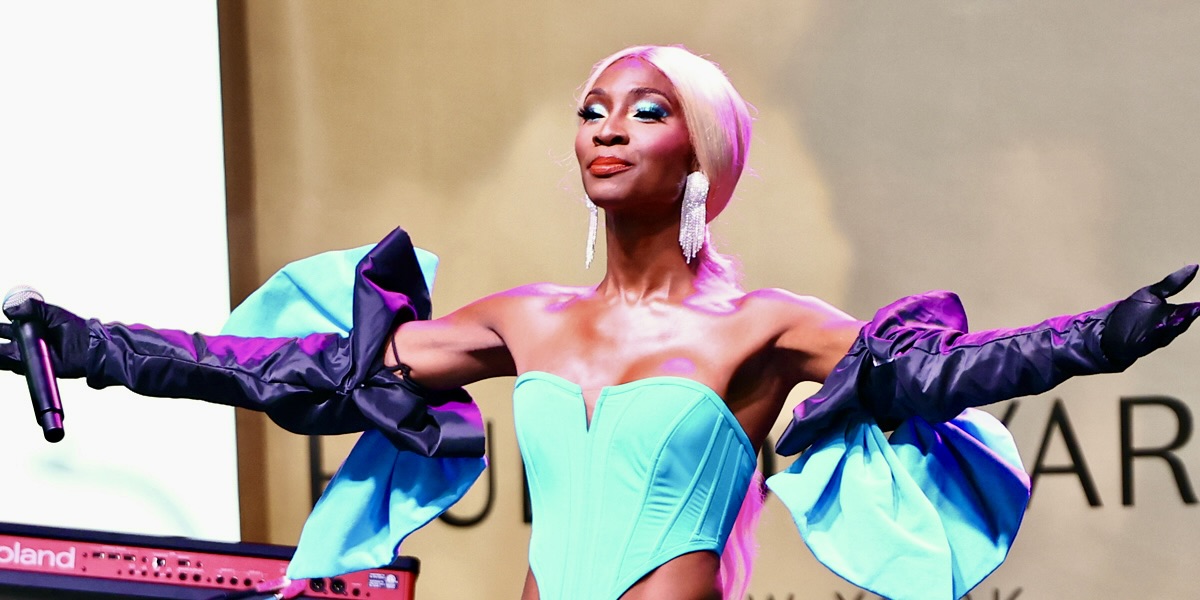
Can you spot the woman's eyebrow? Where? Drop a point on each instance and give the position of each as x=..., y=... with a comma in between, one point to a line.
x=636, y=92
x=642, y=91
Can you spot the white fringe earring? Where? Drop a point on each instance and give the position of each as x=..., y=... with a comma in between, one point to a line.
x=593, y=219
x=693, y=221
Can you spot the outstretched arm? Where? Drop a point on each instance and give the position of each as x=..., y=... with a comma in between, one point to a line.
x=916, y=358
x=924, y=361
x=815, y=336
x=452, y=351
x=323, y=383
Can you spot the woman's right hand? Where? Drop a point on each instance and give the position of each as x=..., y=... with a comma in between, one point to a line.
x=67, y=338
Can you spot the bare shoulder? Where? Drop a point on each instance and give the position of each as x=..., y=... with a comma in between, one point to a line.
x=810, y=334
x=792, y=310
x=518, y=302
x=534, y=294
x=473, y=342
x=546, y=290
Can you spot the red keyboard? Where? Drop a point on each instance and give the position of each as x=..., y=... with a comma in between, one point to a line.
x=46, y=558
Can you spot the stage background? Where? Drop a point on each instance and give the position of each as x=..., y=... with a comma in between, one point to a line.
x=1037, y=158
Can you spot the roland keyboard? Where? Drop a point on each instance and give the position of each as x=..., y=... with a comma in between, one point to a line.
x=45, y=562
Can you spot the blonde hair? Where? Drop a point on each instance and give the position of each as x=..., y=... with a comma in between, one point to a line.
x=718, y=122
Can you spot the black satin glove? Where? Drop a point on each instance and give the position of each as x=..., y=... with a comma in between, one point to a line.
x=67, y=339
x=916, y=357
x=1145, y=321
x=319, y=384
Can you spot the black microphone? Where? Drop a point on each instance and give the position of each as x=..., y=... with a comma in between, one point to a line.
x=39, y=374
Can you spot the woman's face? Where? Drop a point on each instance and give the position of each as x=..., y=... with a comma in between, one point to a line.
x=632, y=142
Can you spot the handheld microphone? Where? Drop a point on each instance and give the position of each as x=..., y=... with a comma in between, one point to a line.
x=39, y=374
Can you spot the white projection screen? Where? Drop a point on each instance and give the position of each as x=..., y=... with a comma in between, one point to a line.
x=113, y=205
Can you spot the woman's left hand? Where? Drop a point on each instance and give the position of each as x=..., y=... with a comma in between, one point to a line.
x=1145, y=321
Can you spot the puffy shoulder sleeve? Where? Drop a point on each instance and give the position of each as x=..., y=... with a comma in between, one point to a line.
x=421, y=453
x=926, y=512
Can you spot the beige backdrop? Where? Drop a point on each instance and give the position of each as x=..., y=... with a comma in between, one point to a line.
x=1037, y=158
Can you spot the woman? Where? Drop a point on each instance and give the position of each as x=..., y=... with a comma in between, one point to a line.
x=641, y=402
x=656, y=312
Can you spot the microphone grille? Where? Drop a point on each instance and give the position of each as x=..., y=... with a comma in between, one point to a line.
x=18, y=295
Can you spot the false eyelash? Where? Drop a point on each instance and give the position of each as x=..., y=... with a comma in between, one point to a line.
x=587, y=113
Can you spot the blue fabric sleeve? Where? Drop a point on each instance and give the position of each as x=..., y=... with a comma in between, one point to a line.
x=380, y=494
x=928, y=513
x=933, y=509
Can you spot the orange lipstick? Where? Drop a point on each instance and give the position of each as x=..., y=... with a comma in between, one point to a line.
x=608, y=165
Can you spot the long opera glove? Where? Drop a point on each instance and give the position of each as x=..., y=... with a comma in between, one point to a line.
x=946, y=492
x=916, y=358
x=322, y=383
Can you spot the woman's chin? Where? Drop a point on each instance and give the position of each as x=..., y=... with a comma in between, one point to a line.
x=607, y=193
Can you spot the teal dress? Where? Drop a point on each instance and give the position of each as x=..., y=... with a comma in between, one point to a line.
x=661, y=469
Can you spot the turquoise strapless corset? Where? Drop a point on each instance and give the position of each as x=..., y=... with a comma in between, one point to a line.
x=660, y=471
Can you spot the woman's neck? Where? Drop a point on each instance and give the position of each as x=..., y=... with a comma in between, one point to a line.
x=644, y=260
